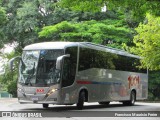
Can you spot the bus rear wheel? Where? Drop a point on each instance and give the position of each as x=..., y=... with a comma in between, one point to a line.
x=132, y=100
x=81, y=100
x=45, y=105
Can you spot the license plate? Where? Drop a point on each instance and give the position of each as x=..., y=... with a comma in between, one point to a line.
x=34, y=98
x=40, y=90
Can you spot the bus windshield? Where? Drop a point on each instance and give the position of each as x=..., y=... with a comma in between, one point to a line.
x=39, y=67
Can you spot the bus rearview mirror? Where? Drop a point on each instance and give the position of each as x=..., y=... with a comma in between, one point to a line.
x=11, y=61
x=59, y=61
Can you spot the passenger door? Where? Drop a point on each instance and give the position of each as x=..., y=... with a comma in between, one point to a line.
x=68, y=76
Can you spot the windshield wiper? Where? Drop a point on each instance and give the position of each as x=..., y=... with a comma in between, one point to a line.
x=28, y=80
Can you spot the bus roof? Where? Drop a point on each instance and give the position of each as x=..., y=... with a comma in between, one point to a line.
x=49, y=45
x=108, y=49
x=63, y=45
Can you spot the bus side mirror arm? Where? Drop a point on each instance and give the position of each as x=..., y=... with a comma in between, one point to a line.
x=59, y=61
x=11, y=61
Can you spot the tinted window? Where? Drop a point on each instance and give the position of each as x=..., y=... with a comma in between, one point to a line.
x=90, y=58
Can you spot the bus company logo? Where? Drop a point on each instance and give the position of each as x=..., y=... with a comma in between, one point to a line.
x=134, y=80
x=40, y=90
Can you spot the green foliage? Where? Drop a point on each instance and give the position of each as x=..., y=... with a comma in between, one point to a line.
x=27, y=17
x=133, y=10
x=12, y=88
x=9, y=79
x=3, y=20
x=154, y=84
x=19, y=26
x=138, y=7
x=102, y=32
x=147, y=42
x=50, y=31
x=83, y=5
x=3, y=17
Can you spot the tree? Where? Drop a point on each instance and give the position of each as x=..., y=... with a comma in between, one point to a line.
x=154, y=84
x=138, y=7
x=134, y=10
x=147, y=42
x=9, y=79
x=3, y=20
x=3, y=17
x=108, y=32
x=26, y=18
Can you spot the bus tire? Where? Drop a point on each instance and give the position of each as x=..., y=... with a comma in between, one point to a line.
x=104, y=103
x=45, y=105
x=132, y=100
x=81, y=100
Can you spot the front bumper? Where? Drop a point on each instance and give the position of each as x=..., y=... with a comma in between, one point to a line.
x=38, y=99
x=21, y=101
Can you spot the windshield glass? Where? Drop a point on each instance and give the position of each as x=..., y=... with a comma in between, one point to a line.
x=28, y=66
x=39, y=67
x=46, y=72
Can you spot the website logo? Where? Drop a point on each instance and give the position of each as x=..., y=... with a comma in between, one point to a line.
x=6, y=114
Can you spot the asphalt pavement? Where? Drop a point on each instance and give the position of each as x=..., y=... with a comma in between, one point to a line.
x=94, y=111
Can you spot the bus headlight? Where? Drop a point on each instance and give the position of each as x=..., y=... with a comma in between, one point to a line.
x=20, y=90
x=51, y=91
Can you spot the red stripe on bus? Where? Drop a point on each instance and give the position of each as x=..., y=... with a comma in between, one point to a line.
x=83, y=82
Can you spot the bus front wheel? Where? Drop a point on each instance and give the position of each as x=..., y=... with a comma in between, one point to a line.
x=81, y=100
x=45, y=105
